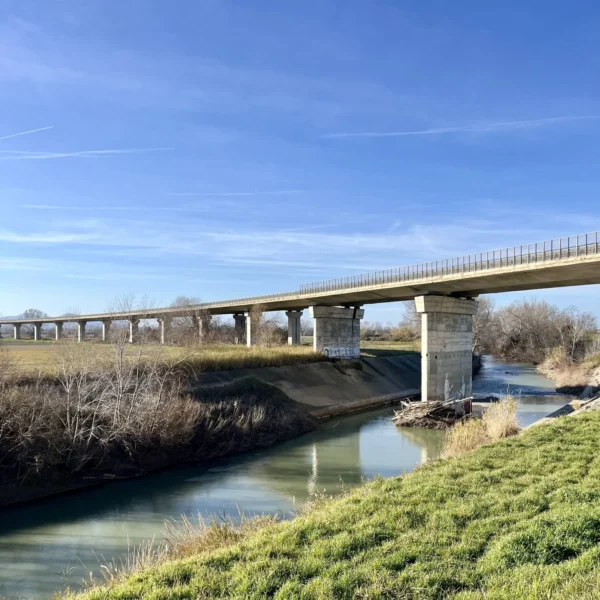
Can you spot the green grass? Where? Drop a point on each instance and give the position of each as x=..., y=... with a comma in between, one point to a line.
x=518, y=519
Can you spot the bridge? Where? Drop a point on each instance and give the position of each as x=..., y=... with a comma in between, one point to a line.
x=445, y=293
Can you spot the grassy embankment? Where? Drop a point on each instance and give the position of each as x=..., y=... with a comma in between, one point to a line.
x=35, y=358
x=571, y=377
x=516, y=519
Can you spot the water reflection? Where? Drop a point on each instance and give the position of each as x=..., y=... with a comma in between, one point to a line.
x=39, y=542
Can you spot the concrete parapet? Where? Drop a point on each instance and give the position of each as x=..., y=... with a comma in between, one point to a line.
x=337, y=330
x=446, y=346
x=294, y=330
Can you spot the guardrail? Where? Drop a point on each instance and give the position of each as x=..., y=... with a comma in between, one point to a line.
x=568, y=247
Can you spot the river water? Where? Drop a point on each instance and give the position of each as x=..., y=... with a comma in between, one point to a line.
x=56, y=541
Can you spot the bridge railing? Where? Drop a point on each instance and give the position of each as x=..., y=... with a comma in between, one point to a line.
x=560, y=248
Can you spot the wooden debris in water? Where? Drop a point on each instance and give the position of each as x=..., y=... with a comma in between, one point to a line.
x=431, y=415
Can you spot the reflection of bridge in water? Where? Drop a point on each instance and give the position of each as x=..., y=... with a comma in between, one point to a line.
x=344, y=455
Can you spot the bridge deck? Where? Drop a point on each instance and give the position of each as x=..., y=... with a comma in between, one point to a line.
x=557, y=263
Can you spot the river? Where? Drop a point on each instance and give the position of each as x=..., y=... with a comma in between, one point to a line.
x=56, y=541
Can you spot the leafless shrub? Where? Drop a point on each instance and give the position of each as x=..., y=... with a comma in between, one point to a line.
x=127, y=411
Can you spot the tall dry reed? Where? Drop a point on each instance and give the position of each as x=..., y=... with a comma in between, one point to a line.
x=498, y=421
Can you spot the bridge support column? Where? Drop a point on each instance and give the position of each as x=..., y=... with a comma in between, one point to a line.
x=81, y=331
x=164, y=329
x=106, y=330
x=294, y=327
x=37, y=331
x=202, y=322
x=240, y=328
x=17, y=331
x=446, y=346
x=58, y=330
x=337, y=330
x=252, y=325
x=134, y=331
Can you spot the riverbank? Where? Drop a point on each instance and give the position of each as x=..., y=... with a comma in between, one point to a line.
x=577, y=378
x=518, y=518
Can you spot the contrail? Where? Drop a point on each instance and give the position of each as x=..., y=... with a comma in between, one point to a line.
x=13, y=135
x=500, y=126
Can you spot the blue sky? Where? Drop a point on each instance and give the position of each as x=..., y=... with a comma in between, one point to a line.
x=223, y=149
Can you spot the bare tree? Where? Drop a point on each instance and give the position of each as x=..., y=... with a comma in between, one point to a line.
x=411, y=318
x=32, y=313
x=484, y=325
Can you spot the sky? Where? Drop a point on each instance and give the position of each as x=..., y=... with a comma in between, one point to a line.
x=222, y=149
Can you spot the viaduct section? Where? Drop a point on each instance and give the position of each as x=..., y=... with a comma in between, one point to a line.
x=445, y=292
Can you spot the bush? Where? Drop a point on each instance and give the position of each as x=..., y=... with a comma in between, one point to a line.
x=125, y=414
x=498, y=421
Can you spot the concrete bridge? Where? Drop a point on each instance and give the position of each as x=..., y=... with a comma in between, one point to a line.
x=445, y=293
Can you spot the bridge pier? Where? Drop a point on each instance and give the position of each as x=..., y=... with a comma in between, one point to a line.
x=37, y=331
x=202, y=322
x=58, y=330
x=252, y=325
x=164, y=329
x=81, y=331
x=106, y=330
x=17, y=331
x=294, y=327
x=240, y=328
x=337, y=330
x=446, y=346
x=134, y=331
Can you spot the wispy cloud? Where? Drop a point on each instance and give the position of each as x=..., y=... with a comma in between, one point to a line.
x=482, y=128
x=27, y=155
x=14, y=135
x=248, y=193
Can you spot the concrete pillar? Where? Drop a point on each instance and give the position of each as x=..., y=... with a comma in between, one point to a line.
x=204, y=327
x=337, y=330
x=81, y=331
x=294, y=317
x=17, y=331
x=164, y=329
x=240, y=328
x=446, y=346
x=58, y=327
x=37, y=331
x=252, y=324
x=106, y=330
x=134, y=330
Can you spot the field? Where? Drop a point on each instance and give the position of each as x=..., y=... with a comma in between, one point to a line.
x=516, y=519
x=35, y=358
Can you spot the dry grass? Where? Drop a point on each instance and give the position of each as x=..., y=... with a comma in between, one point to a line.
x=498, y=421
x=40, y=360
x=123, y=411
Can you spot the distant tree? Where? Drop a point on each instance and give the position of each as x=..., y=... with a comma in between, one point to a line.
x=32, y=313
x=484, y=326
